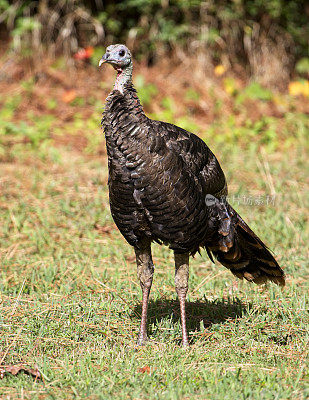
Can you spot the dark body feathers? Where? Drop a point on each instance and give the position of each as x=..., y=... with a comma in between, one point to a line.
x=159, y=176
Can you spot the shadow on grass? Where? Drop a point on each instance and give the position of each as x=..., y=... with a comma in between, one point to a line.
x=198, y=312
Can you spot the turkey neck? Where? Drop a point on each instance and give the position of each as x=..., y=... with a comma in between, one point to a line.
x=123, y=114
x=124, y=76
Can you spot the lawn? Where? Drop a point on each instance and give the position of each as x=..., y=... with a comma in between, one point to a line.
x=70, y=299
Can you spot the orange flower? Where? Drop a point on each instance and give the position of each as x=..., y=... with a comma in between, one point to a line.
x=84, y=54
x=68, y=96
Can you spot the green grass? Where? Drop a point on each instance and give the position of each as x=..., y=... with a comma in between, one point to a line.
x=70, y=300
x=69, y=295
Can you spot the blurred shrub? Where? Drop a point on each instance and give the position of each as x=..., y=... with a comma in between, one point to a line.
x=267, y=36
x=269, y=132
x=302, y=66
x=60, y=26
x=254, y=91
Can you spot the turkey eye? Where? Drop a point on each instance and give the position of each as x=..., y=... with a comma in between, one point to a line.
x=121, y=53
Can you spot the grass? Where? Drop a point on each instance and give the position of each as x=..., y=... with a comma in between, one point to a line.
x=70, y=300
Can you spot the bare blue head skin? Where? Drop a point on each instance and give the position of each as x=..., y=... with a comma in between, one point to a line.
x=119, y=56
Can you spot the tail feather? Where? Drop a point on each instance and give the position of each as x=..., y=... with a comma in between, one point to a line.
x=244, y=253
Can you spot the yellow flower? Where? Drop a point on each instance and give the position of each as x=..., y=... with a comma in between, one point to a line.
x=219, y=70
x=230, y=86
x=296, y=88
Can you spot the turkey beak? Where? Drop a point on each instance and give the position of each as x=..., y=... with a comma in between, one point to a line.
x=103, y=60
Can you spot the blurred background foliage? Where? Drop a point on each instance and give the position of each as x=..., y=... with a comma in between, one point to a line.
x=266, y=37
x=250, y=55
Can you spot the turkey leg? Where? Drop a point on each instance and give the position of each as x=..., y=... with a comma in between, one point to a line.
x=145, y=270
x=181, y=285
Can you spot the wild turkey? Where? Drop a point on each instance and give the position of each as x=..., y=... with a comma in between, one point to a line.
x=165, y=185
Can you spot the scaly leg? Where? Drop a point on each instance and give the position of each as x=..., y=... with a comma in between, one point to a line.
x=145, y=270
x=181, y=285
